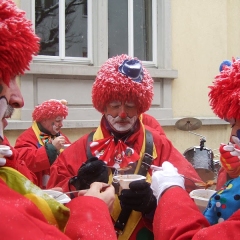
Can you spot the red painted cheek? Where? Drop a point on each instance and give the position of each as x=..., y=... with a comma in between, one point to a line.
x=123, y=115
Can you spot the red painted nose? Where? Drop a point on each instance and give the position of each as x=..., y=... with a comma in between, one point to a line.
x=123, y=115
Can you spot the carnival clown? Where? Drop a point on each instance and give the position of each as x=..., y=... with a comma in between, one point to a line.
x=224, y=97
x=122, y=92
x=40, y=145
x=18, y=45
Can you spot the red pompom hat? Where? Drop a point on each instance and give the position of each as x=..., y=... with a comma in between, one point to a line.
x=123, y=78
x=17, y=41
x=50, y=109
x=224, y=95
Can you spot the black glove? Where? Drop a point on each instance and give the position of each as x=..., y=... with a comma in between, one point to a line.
x=93, y=170
x=139, y=197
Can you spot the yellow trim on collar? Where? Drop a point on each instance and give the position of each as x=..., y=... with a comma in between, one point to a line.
x=37, y=132
x=135, y=216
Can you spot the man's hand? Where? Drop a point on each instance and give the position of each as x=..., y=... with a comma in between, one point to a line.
x=138, y=197
x=166, y=178
x=102, y=191
x=5, y=151
x=93, y=170
x=58, y=142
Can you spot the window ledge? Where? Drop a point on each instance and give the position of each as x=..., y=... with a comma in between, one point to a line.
x=21, y=125
x=83, y=70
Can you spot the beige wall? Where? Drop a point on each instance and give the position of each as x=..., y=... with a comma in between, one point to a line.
x=182, y=140
x=215, y=135
x=17, y=2
x=204, y=33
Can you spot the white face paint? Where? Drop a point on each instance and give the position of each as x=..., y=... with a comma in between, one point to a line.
x=121, y=125
x=55, y=129
x=3, y=122
x=57, y=124
x=6, y=111
x=121, y=116
x=53, y=125
x=10, y=98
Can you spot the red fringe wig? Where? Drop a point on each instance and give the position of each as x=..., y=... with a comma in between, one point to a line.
x=50, y=109
x=112, y=85
x=17, y=41
x=224, y=95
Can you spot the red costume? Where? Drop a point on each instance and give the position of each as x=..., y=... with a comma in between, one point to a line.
x=18, y=44
x=152, y=122
x=182, y=220
x=68, y=163
x=122, y=91
x=27, y=222
x=32, y=151
x=35, y=144
x=15, y=162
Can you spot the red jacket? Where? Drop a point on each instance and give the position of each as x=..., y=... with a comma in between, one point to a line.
x=177, y=217
x=152, y=122
x=68, y=162
x=15, y=162
x=21, y=219
x=34, y=155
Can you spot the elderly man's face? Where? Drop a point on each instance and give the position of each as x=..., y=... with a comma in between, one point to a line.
x=53, y=125
x=10, y=98
x=121, y=116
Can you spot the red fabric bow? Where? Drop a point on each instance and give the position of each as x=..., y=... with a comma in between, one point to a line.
x=118, y=155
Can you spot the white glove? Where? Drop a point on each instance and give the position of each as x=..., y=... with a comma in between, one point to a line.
x=236, y=140
x=165, y=178
x=233, y=148
x=5, y=151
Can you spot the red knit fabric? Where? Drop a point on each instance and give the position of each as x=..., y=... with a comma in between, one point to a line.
x=224, y=95
x=50, y=109
x=112, y=85
x=17, y=41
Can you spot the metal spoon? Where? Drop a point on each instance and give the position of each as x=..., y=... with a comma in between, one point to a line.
x=63, y=193
x=120, y=169
x=197, y=184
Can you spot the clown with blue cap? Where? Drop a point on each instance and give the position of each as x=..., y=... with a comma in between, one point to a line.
x=122, y=144
x=224, y=97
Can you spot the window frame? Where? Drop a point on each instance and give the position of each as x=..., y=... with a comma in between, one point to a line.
x=152, y=63
x=83, y=74
x=62, y=57
x=29, y=7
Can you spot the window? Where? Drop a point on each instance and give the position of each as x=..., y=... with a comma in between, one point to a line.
x=62, y=26
x=130, y=28
x=65, y=28
x=76, y=33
